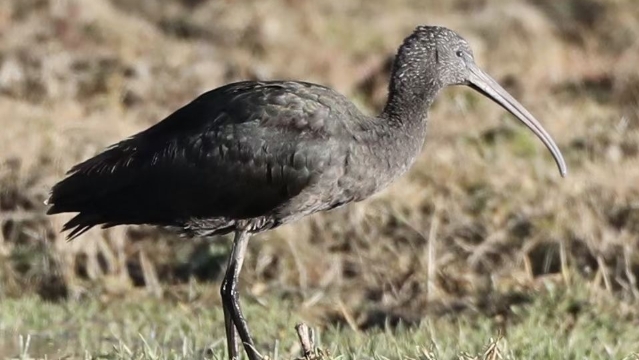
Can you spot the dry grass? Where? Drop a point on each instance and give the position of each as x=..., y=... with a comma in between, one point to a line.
x=77, y=75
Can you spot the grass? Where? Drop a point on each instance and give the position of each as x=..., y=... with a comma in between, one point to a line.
x=560, y=323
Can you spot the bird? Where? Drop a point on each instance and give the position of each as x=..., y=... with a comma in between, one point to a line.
x=250, y=156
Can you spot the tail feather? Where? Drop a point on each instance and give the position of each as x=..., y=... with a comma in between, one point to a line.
x=91, y=179
x=80, y=224
x=89, y=187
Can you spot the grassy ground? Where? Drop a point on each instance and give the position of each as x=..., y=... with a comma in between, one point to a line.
x=473, y=234
x=558, y=323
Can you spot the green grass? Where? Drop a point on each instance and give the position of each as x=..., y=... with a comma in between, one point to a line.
x=558, y=324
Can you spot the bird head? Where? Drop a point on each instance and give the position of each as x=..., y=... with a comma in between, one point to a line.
x=434, y=57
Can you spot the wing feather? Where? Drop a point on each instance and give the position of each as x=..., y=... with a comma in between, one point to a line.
x=236, y=152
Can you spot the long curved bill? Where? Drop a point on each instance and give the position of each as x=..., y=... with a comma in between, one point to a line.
x=483, y=83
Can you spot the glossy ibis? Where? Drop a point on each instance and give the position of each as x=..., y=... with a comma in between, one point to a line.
x=253, y=155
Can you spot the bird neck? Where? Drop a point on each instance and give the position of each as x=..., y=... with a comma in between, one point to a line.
x=404, y=120
x=414, y=83
x=411, y=92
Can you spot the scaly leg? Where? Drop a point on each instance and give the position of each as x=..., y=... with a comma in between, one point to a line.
x=231, y=334
x=233, y=317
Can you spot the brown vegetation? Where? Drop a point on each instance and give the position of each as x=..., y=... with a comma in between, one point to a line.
x=476, y=223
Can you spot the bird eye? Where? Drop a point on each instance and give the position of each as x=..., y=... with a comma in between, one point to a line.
x=459, y=53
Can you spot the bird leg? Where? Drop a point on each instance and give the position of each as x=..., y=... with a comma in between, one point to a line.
x=231, y=333
x=233, y=317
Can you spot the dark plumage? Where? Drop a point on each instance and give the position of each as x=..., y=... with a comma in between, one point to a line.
x=250, y=156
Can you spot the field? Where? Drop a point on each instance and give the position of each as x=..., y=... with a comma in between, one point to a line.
x=481, y=251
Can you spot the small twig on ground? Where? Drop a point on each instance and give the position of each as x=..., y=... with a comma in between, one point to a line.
x=307, y=340
x=492, y=351
x=350, y=320
x=563, y=258
x=151, y=279
x=604, y=272
x=431, y=270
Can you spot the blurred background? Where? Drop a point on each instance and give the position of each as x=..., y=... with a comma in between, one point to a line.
x=482, y=221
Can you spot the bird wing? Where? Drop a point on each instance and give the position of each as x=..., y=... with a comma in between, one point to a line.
x=236, y=152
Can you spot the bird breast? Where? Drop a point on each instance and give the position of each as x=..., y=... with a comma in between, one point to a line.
x=377, y=159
